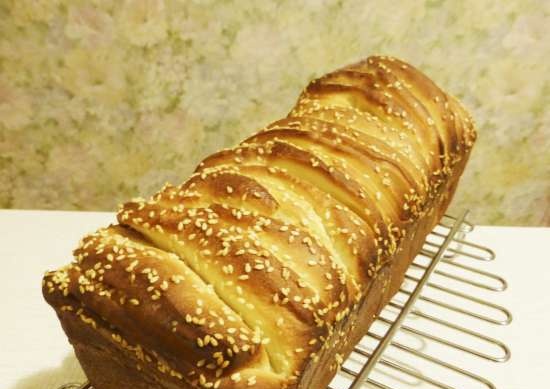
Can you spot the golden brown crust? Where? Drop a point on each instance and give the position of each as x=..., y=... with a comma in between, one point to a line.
x=271, y=261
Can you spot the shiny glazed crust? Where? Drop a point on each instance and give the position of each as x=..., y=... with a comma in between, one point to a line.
x=273, y=259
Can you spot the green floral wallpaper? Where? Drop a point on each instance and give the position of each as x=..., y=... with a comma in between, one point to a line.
x=102, y=100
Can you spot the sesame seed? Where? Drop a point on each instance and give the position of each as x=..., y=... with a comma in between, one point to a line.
x=132, y=266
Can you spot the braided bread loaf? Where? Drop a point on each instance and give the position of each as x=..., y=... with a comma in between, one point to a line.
x=273, y=259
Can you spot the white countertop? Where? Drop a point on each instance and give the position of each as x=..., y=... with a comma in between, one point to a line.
x=34, y=352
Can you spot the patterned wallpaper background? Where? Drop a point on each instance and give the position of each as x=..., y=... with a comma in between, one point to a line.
x=102, y=100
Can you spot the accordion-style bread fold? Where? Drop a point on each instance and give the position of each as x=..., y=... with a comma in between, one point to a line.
x=271, y=261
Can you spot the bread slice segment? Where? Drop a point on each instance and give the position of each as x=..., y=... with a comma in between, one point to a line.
x=128, y=283
x=238, y=254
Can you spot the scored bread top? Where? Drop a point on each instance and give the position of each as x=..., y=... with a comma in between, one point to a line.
x=240, y=276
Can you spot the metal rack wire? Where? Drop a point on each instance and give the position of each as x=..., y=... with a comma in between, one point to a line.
x=446, y=246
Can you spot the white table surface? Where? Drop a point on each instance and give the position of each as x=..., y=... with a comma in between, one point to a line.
x=34, y=352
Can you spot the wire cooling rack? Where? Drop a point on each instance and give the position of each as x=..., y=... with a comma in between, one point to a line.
x=408, y=333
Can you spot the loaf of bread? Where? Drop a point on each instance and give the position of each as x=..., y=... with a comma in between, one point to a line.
x=268, y=265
